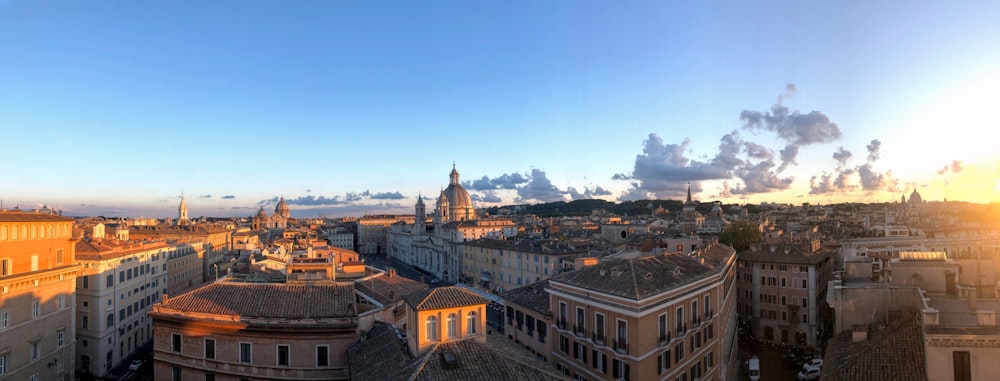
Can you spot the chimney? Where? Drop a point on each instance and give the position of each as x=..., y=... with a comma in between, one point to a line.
x=859, y=332
x=163, y=298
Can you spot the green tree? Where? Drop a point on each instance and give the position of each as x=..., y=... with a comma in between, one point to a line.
x=740, y=235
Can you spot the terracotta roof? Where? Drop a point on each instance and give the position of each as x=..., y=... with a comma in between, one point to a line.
x=275, y=301
x=379, y=355
x=787, y=254
x=388, y=289
x=895, y=352
x=443, y=297
x=532, y=296
x=476, y=361
x=13, y=216
x=639, y=278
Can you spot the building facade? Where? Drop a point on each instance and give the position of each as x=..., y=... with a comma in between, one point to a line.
x=782, y=291
x=373, y=232
x=242, y=331
x=37, y=275
x=662, y=316
x=117, y=286
x=498, y=265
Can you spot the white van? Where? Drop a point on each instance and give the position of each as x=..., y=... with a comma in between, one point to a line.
x=754, y=365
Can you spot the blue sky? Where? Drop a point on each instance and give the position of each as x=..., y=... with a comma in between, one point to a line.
x=345, y=108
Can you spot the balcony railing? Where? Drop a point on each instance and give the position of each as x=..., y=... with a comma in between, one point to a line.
x=681, y=329
x=579, y=331
x=561, y=324
x=708, y=315
x=599, y=338
x=663, y=339
x=621, y=346
x=695, y=320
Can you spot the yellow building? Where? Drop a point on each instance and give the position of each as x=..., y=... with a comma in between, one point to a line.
x=37, y=299
x=440, y=315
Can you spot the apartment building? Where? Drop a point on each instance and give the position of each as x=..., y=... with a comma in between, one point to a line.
x=782, y=291
x=241, y=331
x=118, y=283
x=661, y=316
x=494, y=264
x=37, y=274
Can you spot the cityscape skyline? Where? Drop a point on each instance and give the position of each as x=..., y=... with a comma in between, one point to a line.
x=351, y=108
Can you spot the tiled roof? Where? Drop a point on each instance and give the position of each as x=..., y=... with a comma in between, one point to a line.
x=788, y=254
x=388, y=289
x=13, y=216
x=532, y=296
x=895, y=352
x=494, y=361
x=379, y=355
x=443, y=297
x=639, y=278
x=268, y=301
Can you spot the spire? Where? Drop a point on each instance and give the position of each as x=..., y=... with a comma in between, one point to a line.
x=454, y=174
x=689, y=193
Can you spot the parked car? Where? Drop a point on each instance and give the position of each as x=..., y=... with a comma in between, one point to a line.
x=814, y=363
x=435, y=281
x=811, y=373
x=135, y=365
x=754, y=367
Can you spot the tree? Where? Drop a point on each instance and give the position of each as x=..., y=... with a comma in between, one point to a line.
x=740, y=235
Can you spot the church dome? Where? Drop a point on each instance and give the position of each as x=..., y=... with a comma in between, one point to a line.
x=915, y=197
x=282, y=208
x=261, y=213
x=458, y=197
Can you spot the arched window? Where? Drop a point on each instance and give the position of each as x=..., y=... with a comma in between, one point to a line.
x=24, y=231
x=13, y=232
x=432, y=328
x=472, y=323
x=452, y=325
x=3, y=232
x=34, y=232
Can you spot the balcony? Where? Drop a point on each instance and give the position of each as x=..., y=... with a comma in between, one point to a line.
x=599, y=339
x=621, y=346
x=663, y=339
x=708, y=315
x=695, y=320
x=579, y=331
x=681, y=329
x=561, y=323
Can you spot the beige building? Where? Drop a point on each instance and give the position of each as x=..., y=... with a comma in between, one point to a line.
x=373, y=232
x=243, y=331
x=37, y=274
x=493, y=264
x=528, y=318
x=118, y=284
x=662, y=316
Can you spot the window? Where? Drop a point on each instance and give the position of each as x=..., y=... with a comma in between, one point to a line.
x=175, y=374
x=783, y=282
x=662, y=330
x=580, y=320
x=663, y=361
x=599, y=327
x=322, y=356
x=61, y=301
x=60, y=338
x=679, y=352
x=210, y=348
x=245, y=353
x=175, y=342
x=804, y=304
x=580, y=351
x=4, y=319
x=562, y=315
x=804, y=284
x=110, y=281
x=282, y=355
x=563, y=344
x=452, y=326
x=963, y=368
x=84, y=322
x=6, y=268
x=472, y=323
x=432, y=328
x=111, y=321
x=209, y=377
x=622, y=334
x=121, y=277
x=783, y=302
x=620, y=369
x=36, y=309
x=600, y=361
x=3, y=364
x=34, y=350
